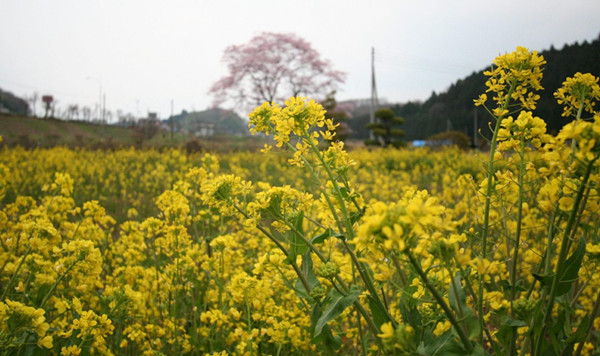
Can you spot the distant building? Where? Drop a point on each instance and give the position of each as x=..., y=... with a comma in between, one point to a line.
x=202, y=129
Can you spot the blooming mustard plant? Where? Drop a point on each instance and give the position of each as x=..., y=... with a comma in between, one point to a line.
x=308, y=248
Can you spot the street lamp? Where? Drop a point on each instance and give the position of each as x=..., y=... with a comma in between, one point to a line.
x=100, y=111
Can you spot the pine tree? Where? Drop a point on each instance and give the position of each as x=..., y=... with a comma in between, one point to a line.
x=385, y=129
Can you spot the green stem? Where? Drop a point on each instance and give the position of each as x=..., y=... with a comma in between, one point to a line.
x=349, y=230
x=399, y=269
x=577, y=117
x=440, y=299
x=593, y=315
x=308, y=164
x=304, y=281
x=515, y=257
x=563, y=256
x=363, y=341
x=58, y=280
x=486, y=210
x=457, y=298
x=374, y=329
x=551, y=233
x=364, y=274
x=294, y=265
x=347, y=220
x=177, y=281
x=15, y=273
x=317, y=252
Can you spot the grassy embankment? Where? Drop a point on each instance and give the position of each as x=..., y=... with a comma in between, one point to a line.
x=30, y=132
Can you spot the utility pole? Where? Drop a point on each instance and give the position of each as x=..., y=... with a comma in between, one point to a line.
x=475, y=128
x=171, y=120
x=374, y=100
x=99, y=96
x=103, y=115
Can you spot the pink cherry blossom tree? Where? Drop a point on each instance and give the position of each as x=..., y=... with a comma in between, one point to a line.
x=273, y=67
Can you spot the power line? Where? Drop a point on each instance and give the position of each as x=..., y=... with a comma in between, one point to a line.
x=68, y=95
x=421, y=64
x=17, y=84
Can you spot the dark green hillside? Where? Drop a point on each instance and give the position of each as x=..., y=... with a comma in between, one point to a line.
x=9, y=103
x=454, y=108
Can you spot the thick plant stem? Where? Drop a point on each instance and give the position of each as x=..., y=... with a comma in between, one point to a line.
x=361, y=309
x=593, y=315
x=515, y=257
x=349, y=230
x=563, y=256
x=15, y=273
x=368, y=282
x=297, y=269
x=577, y=117
x=486, y=210
x=56, y=283
x=440, y=299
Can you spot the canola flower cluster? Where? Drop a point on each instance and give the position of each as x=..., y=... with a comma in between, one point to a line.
x=314, y=249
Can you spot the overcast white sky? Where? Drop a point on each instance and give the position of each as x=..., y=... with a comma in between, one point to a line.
x=146, y=53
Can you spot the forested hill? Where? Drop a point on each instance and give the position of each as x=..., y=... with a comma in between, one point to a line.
x=454, y=108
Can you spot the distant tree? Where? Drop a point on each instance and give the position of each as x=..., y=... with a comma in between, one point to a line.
x=339, y=117
x=48, y=104
x=72, y=112
x=119, y=115
x=125, y=119
x=450, y=138
x=86, y=112
x=384, y=129
x=54, y=109
x=33, y=98
x=272, y=67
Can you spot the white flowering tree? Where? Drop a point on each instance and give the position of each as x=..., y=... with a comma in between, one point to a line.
x=273, y=67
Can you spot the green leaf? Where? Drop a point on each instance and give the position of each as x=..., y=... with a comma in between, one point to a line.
x=320, y=238
x=345, y=192
x=456, y=296
x=41, y=293
x=472, y=323
x=569, y=274
x=545, y=280
x=307, y=270
x=580, y=334
x=336, y=304
x=355, y=216
x=408, y=309
x=512, y=322
x=433, y=345
x=445, y=345
x=379, y=314
x=300, y=290
x=326, y=337
x=457, y=299
x=297, y=244
x=478, y=351
x=570, y=271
